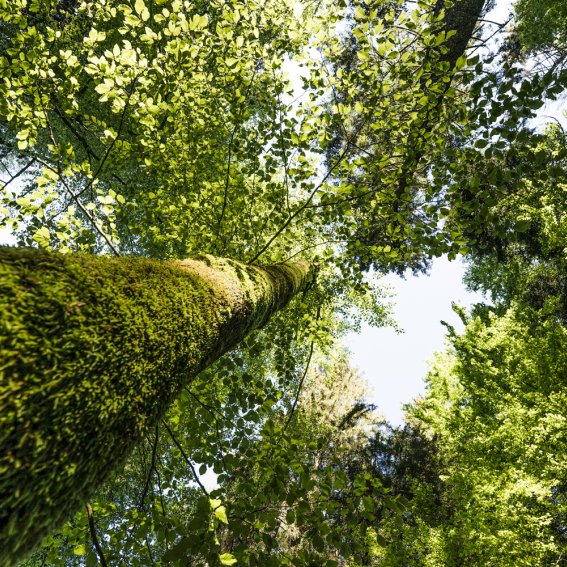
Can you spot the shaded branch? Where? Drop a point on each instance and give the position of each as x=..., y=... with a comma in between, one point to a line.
x=152, y=467
x=19, y=172
x=186, y=458
x=300, y=386
x=94, y=537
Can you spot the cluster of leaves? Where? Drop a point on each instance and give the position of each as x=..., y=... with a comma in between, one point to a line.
x=540, y=31
x=403, y=72
x=167, y=128
x=171, y=129
x=144, y=120
x=492, y=424
x=494, y=414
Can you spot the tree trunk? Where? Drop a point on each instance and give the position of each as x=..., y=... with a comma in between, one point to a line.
x=92, y=352
x=462, y=17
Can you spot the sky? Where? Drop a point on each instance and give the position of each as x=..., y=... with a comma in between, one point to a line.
x=395, y=364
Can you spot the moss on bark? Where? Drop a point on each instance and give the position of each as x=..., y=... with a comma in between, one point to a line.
x=92, y=351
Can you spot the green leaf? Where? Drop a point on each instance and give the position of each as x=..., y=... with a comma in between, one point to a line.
x=359, y=13
x=220, y=513
x=105, y=87
x=80, y=550
x=42, y=236
x=522, y=226
x=381, y=540
x=178, y=551
x=318, y=542
x=227, y=559
x=139, y=6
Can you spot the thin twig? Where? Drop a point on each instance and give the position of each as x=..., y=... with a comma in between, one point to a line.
x=227, y=180
x=300, y=386
x=94, y=537
x=90, y=152
x=115, y=139
x=150, y=555
x=299, y=210
x=18, y=173
x=73, y=195
x=499, y=24
x=151, y=471
x=311, y=196
x=158, y=476
x=229, y=162
x=189, y=463
x=315, y=245
x=81, y=206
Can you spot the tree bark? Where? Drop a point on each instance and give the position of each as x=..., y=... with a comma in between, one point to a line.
x=92, y=352
x=462, y=17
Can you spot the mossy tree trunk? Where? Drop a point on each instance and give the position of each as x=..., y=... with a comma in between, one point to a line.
x=92, y=352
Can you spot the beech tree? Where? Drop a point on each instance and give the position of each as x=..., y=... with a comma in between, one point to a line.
x=496, y=406
x=168, y=129
x=493, y=415
x=93, y=351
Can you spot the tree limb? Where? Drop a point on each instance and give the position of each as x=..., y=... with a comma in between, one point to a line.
x=94, y=537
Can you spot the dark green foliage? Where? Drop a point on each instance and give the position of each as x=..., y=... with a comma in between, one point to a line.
x=541, y=30
x=519, y=249
x=396, y=209
x=92, y=351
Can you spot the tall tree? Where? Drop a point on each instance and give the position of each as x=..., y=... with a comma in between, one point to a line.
x=403, y=83
x=295, y=474
x=93, y=352
x=165, y=128
x=539, y=32
x=496, y=404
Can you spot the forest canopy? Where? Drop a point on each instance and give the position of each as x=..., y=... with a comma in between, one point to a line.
x=359, y=137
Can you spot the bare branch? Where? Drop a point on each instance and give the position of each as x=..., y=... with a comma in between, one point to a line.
x=300, y=386
x=152, y=467
x=20, y=172
x=94, y=537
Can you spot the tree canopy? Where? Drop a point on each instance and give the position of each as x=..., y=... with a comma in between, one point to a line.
x=361, y=137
